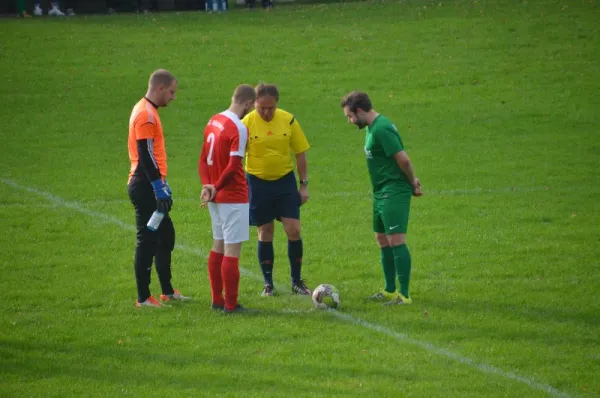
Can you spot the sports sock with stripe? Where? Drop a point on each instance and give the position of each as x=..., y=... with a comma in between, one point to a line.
x=265, y=260
x=295, y=252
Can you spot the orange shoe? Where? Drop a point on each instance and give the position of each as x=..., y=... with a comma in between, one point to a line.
x=177, y=296
x=150, y=302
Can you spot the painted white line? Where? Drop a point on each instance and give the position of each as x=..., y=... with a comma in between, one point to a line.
x=104, y=218
x=485, y=368
x=68, y=204
x=293, y=311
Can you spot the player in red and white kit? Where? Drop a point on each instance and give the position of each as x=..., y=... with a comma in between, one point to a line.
x=225, y=191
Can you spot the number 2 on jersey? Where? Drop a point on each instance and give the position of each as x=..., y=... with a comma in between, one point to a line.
x=211, y=141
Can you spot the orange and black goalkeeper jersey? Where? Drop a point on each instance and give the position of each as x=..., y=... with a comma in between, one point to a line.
x=146, y=142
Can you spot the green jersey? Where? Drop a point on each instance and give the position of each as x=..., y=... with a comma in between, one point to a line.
x=382, y=141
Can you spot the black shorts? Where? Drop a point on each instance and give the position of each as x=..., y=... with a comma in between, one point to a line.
x=270, y=200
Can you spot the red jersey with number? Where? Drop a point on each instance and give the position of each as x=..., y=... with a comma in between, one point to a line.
x=225, y=136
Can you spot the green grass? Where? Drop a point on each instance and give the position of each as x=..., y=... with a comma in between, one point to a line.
x=498, y=107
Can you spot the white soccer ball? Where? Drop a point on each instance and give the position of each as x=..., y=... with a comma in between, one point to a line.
x=326, y=296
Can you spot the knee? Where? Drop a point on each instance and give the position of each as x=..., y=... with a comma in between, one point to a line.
x=293, y=232
x=397, y=240
x=265, y=232
x=292, y=228
x=218, y=246
x=382, y=240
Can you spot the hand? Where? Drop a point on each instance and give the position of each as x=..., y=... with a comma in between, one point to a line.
x=168, y=188
x=303, y=194
x=164, y=202
x=207, y=194
x=416, y=187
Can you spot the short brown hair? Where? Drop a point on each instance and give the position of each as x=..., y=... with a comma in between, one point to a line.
x=160, y=77
x=244, y=93
x=357, y=100
x=262, y=90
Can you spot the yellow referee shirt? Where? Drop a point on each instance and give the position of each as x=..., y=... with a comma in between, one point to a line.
x=270, y=144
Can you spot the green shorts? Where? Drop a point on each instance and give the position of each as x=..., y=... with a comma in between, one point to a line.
x=390, y=216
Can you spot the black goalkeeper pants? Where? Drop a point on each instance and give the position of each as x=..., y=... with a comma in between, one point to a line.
x=150, y=246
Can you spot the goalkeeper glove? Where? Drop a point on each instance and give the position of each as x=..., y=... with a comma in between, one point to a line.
x=163, y=196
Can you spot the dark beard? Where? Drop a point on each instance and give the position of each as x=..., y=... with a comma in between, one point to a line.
x=361, y=124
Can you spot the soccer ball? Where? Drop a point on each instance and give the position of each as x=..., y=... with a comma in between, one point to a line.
x=326, y=296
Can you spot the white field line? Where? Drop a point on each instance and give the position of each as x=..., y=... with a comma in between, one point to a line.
x=429, y=347
x=483, y=367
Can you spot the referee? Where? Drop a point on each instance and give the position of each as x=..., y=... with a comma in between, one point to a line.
x=273, y=134
x=149, y=191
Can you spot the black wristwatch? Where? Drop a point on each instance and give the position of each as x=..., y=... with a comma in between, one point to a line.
x=303, y=182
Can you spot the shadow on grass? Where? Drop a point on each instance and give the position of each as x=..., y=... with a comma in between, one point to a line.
x=122, y=365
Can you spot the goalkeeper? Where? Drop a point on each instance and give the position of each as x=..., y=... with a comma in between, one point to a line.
x=149, y=191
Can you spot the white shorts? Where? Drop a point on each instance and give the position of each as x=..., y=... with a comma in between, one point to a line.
x=230, y=221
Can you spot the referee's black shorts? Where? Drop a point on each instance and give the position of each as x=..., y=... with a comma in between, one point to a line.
x=270, y=200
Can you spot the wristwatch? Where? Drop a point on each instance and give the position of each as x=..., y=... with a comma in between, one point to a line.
x=303, y=182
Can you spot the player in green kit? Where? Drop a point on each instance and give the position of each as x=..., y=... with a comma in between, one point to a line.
x=394, y=183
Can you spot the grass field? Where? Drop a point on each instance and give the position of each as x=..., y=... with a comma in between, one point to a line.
x=497, y=103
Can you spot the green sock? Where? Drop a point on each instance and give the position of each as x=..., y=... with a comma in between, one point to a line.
x=403, y=265
x=20, y=7
x=389, y=269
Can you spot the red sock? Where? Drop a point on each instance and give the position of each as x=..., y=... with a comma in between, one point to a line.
x=230, y=272
x=214, y=275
